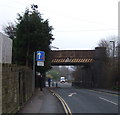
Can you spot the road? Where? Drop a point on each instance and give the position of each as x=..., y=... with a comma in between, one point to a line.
x=87, y=101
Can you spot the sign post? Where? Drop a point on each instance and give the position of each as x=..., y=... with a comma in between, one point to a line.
x=33, y=78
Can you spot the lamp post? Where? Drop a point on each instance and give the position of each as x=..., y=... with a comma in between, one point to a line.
x=118, y=57
x=113, y=47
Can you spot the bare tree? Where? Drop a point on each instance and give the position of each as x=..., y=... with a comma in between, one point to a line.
x=111, y=66
x=105, y=43
x=10, y=30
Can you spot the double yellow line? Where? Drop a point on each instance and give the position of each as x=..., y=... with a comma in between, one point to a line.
x=64, y=104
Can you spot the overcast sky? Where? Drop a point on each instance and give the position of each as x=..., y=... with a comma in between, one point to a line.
x=78, y=24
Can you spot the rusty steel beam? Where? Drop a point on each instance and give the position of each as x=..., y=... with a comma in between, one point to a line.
x=72, y=57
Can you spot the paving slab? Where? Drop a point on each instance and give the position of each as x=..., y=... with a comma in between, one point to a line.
x=43, y=102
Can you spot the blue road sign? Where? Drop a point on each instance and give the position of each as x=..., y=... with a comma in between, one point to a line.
x=40, y=56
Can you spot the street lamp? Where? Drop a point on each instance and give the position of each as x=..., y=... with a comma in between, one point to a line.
x=113, y=47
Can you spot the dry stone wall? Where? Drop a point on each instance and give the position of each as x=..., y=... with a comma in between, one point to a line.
x=16, y=87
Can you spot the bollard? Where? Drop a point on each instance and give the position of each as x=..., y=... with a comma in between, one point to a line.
x=56, y=84
x=53, y=84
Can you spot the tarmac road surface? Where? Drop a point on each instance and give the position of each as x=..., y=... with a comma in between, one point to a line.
x=88, y=101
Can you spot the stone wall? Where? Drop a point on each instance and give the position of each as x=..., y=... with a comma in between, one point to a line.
x=16, y=87
x=25, y=85
x=10, y=86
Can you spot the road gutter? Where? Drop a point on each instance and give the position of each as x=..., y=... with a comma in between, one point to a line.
x=64, y=104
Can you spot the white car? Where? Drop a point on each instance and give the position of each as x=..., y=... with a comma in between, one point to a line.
x=62, y=79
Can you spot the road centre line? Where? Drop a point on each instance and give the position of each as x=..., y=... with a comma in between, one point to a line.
x=108, y=100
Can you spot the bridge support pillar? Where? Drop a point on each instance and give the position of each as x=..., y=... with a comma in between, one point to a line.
x=99, y=66
x=86, y=75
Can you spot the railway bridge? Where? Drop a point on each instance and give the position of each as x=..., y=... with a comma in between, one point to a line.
x=91, y=61
x=72, y=57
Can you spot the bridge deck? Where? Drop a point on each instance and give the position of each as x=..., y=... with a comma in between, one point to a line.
x=72, y=57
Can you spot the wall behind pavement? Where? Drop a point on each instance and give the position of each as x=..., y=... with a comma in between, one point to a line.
x=16, y=87
x=5, y=49
x=5, y=57
x=10, y=86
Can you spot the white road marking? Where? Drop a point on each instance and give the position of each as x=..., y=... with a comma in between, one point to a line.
x=98, y=91
x=71, y=94
x=108, y=101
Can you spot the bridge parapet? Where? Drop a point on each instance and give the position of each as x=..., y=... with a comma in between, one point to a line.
x=72, y=53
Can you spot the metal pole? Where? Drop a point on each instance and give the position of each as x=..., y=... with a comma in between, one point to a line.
x=113, y=47
x=118, y=58
x=33, y=78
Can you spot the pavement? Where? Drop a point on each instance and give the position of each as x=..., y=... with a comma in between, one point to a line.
x=46, y=102
x=43, y=102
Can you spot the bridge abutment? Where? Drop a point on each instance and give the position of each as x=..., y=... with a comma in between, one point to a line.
x=99, y=66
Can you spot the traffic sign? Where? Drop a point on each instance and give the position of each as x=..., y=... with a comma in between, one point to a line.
x=40, y=56
x=40, y=63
